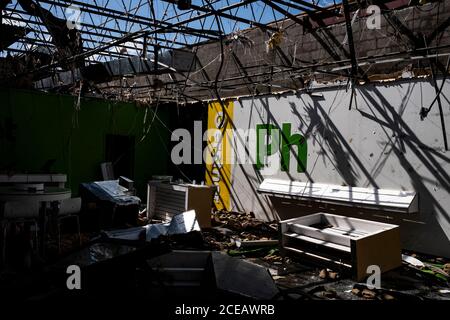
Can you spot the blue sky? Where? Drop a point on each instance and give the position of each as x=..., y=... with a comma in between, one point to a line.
x=260, y=11
x=164, y=11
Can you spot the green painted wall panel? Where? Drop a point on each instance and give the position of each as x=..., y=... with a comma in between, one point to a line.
x=36, y=127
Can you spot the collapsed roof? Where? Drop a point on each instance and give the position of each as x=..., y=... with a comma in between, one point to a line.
x=183, y=50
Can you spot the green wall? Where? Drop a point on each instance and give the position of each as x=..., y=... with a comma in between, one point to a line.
x=36, y=127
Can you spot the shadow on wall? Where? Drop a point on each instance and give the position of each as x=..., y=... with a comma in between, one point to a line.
x=420, y=231
x=330, y=136
x=391, y=120
x=396, y=143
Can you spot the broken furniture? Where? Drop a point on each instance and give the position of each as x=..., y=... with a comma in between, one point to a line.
x=114, y=204
x=214, y=274
x=165, y=199
x=349, y=244
x=19, y=212
x=46, y=198
x=68, y=209
x=369, y=198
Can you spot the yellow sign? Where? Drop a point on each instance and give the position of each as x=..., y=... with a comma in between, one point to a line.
x=218, y=157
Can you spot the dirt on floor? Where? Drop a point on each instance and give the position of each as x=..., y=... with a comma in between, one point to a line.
x=242, y=236
x=299, y=280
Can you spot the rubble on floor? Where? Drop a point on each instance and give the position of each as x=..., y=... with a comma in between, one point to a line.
x=250, y=240
x=231, y=229
x=311, y=282
x=296, y=279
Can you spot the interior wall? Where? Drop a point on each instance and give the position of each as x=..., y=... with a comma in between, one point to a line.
x=381, y=142
x=38, y=128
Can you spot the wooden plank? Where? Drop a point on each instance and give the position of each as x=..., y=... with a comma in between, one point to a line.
x=200, y=199
x=382, y=249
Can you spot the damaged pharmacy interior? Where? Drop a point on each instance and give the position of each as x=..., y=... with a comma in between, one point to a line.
x=258, y=150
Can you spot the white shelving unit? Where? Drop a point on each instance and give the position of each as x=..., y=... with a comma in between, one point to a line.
x=343, y=242
x=370, y=198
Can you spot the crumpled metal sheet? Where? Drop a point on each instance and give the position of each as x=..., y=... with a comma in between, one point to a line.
x=182, y=223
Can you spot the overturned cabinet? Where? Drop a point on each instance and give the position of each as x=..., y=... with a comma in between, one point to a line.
x=166, y=199
x=339, y=240
x=348, y=244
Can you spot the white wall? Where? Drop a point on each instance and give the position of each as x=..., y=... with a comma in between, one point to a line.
x=382, y=143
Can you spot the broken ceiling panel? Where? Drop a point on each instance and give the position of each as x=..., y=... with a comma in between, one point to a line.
x=169, y=61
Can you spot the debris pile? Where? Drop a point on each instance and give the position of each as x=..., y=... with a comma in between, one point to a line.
x=366, y=293
x=234, y=230
x=433, y=269
x=328, y=274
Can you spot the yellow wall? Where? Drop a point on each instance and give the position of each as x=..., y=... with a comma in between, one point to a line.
x=218, y=166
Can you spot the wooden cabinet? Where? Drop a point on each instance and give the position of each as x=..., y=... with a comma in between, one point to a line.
x=164, y=200
x=342, y=242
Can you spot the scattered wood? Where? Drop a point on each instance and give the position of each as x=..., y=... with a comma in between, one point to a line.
x=259, y=243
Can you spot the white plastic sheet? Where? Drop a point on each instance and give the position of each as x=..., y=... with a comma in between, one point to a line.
x=182, y=223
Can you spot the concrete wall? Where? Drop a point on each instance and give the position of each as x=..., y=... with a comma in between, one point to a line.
x=382, y=143
x=36, y=127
